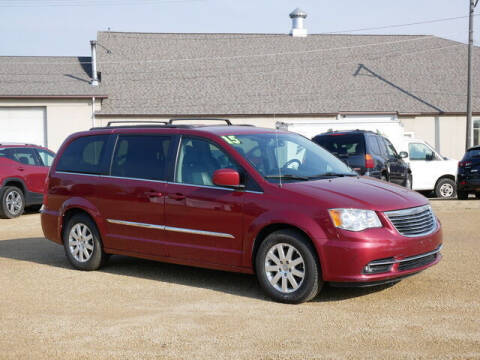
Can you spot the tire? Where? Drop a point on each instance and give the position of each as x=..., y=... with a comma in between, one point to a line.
x=12, y=202
x=477, y=195
x=462, y=195
x=82, y=243
x=299, y=258
x=446, y=189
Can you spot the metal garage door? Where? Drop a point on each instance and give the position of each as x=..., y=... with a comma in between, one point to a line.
x=23, y=124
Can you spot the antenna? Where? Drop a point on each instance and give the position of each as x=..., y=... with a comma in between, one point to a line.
x=276, y=153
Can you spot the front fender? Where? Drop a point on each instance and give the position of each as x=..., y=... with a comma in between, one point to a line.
x=306, y=223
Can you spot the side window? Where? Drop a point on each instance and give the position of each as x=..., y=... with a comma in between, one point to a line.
x=381, y=146
x=24, y=156
x=46, y=157
x=84, y=155
x=141, y=156
x=373, y=145
x=419, y=151
x=198, y=160
x=392, y=153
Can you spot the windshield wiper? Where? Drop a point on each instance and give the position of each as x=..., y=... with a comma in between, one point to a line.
x=330, y=174
x=288, y=177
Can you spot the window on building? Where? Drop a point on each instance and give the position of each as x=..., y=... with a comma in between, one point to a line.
x=476, y=132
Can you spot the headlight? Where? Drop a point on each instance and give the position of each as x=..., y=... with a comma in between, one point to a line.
x=354, y=219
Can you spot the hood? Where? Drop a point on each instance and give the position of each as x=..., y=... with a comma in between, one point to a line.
x=358, y=193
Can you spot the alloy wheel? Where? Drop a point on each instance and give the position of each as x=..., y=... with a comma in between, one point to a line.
x=80, y=242
x=284, y=267
x=14, y=202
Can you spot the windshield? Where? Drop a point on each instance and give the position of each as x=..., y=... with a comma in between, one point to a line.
x=287, y=157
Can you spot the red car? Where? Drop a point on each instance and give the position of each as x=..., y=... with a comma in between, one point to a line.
x=235, y=198
x=23, y=169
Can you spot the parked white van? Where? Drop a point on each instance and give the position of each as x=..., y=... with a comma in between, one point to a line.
x=430, y=170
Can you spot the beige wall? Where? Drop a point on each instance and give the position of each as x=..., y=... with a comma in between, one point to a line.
x=64, y=116
x=451, y=133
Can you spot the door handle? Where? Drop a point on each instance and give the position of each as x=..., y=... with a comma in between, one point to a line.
x=177, y=196
x=20, y=168
x=153, y=194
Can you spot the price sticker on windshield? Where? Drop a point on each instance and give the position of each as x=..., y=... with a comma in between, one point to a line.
x=231, y=139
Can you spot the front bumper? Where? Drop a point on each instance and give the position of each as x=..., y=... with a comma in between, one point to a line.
x=345, y=259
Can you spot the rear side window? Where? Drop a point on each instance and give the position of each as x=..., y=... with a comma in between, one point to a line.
x=345, y=144
x=141, y=157
x=474, y=153
x=24, y=156
x=85, y=155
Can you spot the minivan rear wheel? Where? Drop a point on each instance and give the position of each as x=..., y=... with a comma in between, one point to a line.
x=287, y=267
x=82, y=243
x=12, y=202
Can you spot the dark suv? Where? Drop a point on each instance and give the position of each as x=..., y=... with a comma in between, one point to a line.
x=23, y=169
x=368, y=154
x=468, y=176
x=235, y=198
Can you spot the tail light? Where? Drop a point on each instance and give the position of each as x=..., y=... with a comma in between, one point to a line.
x=369, y=162
x=464, y=163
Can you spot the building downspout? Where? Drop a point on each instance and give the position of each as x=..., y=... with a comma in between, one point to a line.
x=93, y=111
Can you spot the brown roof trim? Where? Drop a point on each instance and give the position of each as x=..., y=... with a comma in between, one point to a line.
x=212, y=115
x=289, y=115
x=52, y=96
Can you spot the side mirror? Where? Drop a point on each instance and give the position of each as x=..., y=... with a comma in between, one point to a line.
x=227, y=177
x=429, y=157
x=403, y=154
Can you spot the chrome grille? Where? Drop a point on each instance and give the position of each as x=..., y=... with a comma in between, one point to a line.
x=416, y=221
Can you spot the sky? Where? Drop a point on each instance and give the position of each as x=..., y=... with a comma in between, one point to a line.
x=65, y=27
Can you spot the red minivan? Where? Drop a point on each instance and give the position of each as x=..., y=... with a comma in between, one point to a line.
x=235, y=198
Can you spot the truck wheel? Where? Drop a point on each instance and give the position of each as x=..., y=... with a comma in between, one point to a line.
x=12, y=202
x=446, y=189
x=287, y=267
x=82, y=243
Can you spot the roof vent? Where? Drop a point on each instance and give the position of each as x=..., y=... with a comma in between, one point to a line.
x=297, y=17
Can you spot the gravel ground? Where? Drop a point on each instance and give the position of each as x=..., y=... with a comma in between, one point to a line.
x=138, y=309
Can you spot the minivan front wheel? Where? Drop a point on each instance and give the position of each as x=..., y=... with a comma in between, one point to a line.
x=12, y=202
x=82, y=243
x=287, y=268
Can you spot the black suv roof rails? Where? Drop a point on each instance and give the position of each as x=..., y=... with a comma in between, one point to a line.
x=170, y=122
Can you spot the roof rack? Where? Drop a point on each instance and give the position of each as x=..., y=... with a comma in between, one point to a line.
x=170, y=122
x=158, y=123
x=16, y=144
x=109, y=124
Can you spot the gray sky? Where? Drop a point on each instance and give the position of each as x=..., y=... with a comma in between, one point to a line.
x=49, y=27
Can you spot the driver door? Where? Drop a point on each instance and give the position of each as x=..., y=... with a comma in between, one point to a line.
x=203, y=221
